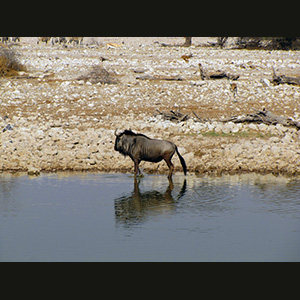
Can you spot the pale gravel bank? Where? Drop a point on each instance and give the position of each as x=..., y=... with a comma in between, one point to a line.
x=208, y=148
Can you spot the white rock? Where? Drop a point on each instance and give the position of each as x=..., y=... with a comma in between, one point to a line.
x=198, y=83
x=235, y=129
x=189, y=157
x=82, y=154
x=228, y=127
x=252, y=126
x=65, y=83
x=209, y=126
x=33, y=171
x=219, y=128
x=59, y=69
x=200, y=127
x=263, y=127
x=190, y=122
x=39, y=134
x=287, y=139
x=265, y=82
x=274, y=139
x=275, y=150
x=7, y=84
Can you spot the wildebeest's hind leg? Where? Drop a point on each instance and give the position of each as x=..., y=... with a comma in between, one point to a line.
x=170, y=165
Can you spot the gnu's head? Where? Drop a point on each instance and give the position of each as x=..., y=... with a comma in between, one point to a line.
x=118, y=144
x=121, y=142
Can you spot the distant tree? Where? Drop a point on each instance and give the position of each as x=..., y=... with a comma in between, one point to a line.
x=188, y=42
x=284, y=43
x=222, y=40
x=248, y=42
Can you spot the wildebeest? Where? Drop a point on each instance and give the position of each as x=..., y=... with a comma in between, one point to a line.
x=6, y=39
x=44, y=39
x=58, y=39
x=75, y=40
x=140, y=147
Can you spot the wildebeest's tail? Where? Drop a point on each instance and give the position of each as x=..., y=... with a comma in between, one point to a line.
x=182, y=161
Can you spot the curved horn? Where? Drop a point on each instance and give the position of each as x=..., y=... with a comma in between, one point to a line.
x=116, y=132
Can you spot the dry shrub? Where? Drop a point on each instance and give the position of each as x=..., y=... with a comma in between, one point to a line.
x=9, y=65
x=98, y=74
x=268, y=43
x=285, y=43
x=248, y=43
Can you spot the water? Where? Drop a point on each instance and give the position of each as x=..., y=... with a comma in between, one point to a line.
x=107, y=217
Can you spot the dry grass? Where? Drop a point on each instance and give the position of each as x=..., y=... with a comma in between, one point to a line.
x=9, y=65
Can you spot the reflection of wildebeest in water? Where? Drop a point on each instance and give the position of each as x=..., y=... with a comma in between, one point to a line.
x=138, y=205
x=140, y=147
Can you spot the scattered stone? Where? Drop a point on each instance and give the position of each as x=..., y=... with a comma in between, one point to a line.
x=139, y=70
x=7, y=127
x=32, y=171
x=198, y=82
x=265, y=82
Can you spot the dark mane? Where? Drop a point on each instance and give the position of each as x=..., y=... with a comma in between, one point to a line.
x=129, y=132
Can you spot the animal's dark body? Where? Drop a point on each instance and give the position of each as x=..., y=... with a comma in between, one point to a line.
x=140, y=147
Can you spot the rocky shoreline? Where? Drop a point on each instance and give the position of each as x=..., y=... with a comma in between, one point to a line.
x=212, y=148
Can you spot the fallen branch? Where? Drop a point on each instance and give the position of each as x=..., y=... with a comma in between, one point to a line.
x=198, y=119
x=286, y=79
x=216, y=75
x=263, y=116
x=149, y=77
x=173, y=116
x=281, y=79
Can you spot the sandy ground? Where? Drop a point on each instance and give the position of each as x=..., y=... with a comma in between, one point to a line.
x=49, y=96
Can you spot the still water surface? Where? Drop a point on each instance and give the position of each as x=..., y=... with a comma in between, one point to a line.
x=109, y=217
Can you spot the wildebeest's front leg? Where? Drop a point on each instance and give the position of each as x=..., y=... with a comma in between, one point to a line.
x=136, y=166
